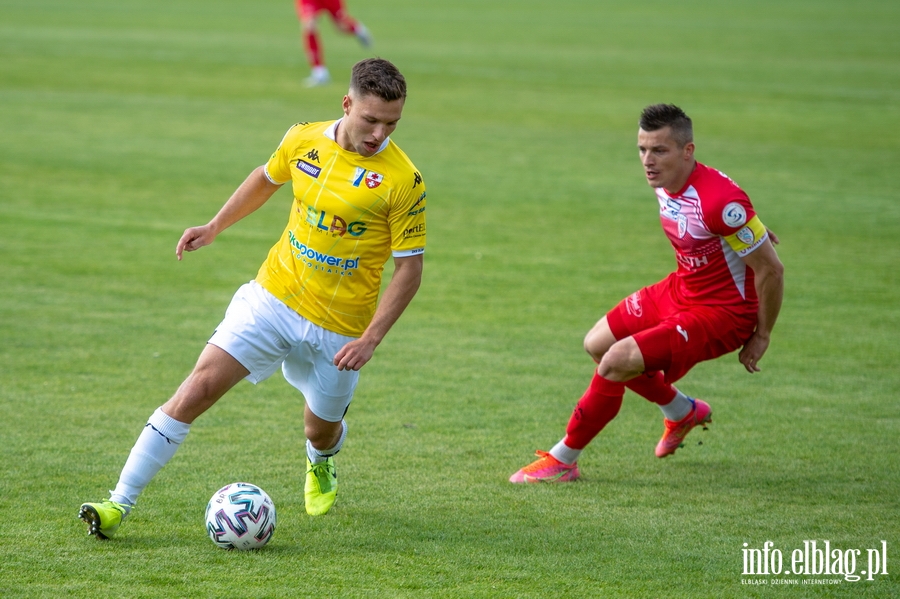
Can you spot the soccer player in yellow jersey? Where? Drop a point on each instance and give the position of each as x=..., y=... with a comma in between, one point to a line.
x=313, y=308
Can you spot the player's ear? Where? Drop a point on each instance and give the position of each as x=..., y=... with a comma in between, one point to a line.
x=689, y=150
x=346, y=104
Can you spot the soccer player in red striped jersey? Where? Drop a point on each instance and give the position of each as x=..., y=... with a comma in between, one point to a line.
x=725, y=294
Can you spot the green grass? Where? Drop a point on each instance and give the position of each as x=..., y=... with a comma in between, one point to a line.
x=122, y=123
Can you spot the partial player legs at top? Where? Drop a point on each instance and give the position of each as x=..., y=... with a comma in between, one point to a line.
x=307, y=11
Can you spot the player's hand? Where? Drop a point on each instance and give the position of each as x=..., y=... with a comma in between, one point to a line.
x=772, y=236
x=194, y=238
x=354, y=355
x=753, y=352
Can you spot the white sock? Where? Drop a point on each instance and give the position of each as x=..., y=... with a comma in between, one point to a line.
x=319, y=455
x=678, y=408
x=154, y=447
x=565, y=454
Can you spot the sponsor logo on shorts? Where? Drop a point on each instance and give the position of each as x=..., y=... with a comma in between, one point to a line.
x=746, y=235
x=734, y=215
x=681, y=332
x=633, y=304
x=310, y=169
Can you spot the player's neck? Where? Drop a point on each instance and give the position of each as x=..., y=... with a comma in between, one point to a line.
x=683, y=179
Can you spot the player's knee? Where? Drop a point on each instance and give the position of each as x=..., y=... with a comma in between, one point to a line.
x=621, y=362
x=593, y=350
x=598, y=340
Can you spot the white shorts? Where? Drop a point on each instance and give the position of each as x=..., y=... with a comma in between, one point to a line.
x=262, y=334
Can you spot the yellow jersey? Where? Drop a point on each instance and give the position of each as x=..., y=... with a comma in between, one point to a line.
x=350, y=214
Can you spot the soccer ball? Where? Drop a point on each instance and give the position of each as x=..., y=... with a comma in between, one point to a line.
x=240, y=516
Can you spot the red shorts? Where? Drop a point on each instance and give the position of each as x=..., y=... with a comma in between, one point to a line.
x=308, y=9
x=672, y=336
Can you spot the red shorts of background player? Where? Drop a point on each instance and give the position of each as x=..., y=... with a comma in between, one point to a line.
x=673, y=337
x=308, y=9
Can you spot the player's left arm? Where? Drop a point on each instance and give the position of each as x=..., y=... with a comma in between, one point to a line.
x=399, y=293
x=768, y=273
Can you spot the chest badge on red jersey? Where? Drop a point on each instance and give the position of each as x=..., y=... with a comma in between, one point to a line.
x=682, y=225
x=373, y=179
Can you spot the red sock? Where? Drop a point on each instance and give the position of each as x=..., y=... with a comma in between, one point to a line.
x=596, y=408
x=653, y=387
x=313, y=52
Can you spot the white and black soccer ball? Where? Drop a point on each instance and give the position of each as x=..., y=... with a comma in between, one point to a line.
x=240, y=516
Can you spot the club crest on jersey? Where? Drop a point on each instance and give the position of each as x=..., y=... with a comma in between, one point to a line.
x=374, y=179
x=734, y=215
x=746, y=236
x=682, y=225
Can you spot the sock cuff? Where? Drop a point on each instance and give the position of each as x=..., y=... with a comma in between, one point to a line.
x=172, y=429
x=312, y=452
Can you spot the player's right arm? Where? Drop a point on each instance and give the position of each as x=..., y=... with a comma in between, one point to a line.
x=252, y=193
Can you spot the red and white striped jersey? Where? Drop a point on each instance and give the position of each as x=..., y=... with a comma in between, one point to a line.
x=712, y=225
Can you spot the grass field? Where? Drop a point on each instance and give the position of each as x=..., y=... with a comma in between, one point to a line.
x=125, y=122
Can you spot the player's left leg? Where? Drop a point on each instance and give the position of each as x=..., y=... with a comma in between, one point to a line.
x=328, y=393
x=598, y=406
x=687, y=336
x=320, y=489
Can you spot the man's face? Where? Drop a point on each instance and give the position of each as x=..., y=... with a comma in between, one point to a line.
x=666, y=164
x=368, y=121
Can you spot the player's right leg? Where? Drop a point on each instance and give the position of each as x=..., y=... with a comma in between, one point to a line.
x=596, y=408
x=243, y=346
x=215, y=373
